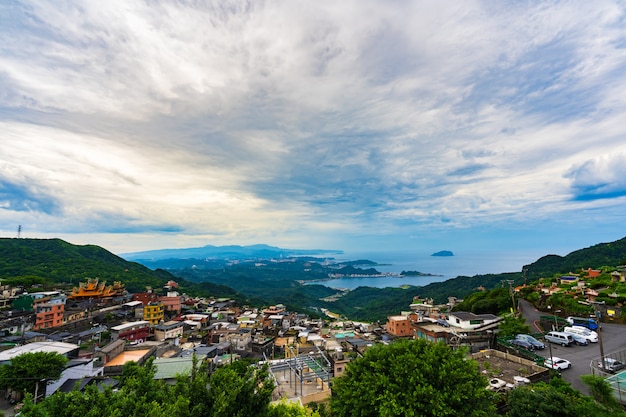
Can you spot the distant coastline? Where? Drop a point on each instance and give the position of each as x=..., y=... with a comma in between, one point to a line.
x=443, y=253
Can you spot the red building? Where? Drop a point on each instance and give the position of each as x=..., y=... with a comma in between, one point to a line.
x=400, y=326
x=49, y=311
x=133, y=331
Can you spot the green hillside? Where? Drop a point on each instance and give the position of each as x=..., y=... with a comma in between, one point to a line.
x=602, y=254
x=55, y=261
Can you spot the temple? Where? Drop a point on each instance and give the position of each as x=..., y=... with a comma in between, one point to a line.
x=94, y=289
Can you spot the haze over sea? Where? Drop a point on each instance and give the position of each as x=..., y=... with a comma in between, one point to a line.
x=445, y=267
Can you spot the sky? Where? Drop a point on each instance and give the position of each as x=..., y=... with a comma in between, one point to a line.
x=353, y=125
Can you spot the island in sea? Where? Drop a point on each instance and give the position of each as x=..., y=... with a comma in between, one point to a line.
x=443, y=253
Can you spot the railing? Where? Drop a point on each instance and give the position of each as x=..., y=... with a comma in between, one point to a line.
x=617, y=379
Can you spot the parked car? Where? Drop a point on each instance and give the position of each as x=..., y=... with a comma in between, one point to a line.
x=612, y=365
x=578, y=339
x=523, y=344
x=559, y=338
x=536, y=343
x=590, y=335
x=557, y=363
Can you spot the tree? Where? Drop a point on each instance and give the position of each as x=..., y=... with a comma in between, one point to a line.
x=559, y=399
x=411, y=378
x=511, y=325
x=239, y=390
x=602, y=392
x=28, y=371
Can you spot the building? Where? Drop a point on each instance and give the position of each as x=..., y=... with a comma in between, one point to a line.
x=146, y=297
x=154, y=312
x=93, y=289
x=136, y=331
x=467, y=320
x=49, y=311
x=69, y=350
x=169, y=330
x=171, y=302
x=399, y=326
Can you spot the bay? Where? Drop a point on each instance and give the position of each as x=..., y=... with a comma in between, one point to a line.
x=441, y=267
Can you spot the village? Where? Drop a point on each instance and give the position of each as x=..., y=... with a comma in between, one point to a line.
x=102, y=327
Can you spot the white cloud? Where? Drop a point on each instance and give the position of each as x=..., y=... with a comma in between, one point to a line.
x=304, y=121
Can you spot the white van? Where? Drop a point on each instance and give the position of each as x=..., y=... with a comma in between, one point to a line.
x=560, y=338
x=583, y=332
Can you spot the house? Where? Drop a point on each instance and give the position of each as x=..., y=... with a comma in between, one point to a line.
x=169, y=369
x=466, y=320
x=154, y=312
x=171, y=302
x=135, y=331
x=399, y=326
x=74, y=370
x=116, y=354
x=618, y=276
x=69, y=350
x=568, y=279
x=169, y=330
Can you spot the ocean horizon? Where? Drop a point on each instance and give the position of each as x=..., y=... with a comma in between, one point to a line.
x=442, y=268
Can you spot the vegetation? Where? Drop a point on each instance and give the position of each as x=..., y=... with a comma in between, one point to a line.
x=51, y=263
x=29, y=372
x=496, y=301
x=54, y=262
x=512, y=325
x=558, y=399
x=411, y=378
x=234, y=390
x=613, y=253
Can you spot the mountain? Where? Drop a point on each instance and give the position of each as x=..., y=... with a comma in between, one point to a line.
x=596, y=256
x=57, y=261
x=230, y=252
x=262, y=283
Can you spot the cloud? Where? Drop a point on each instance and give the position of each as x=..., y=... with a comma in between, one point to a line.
x=599, y=178
x=29, y=197
x=249, y=121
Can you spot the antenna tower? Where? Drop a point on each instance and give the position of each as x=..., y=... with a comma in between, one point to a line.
x=19, y=231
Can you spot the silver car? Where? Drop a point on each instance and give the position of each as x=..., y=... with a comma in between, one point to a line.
x=578, y=339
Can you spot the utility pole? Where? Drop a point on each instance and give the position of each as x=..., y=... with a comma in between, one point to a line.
x=510, y=281
x=597, y=314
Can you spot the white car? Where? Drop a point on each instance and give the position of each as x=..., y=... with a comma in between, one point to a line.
x=590, y=335
x=557, y=363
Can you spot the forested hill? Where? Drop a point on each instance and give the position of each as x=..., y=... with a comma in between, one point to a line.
x=57, y=261
x=602, y=254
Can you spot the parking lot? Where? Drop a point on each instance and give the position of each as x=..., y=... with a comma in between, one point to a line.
x=613, y=339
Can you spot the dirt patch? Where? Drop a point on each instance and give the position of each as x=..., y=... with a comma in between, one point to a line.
x=496, y=364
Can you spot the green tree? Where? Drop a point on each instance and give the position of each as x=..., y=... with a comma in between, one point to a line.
x=290, y=409
x=602, y=392
x=411, y=378
x=239, y=390
x=558, y=399
x=31, y=371
x=511, y=325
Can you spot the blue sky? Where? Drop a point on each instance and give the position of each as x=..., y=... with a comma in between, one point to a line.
x=355, y=125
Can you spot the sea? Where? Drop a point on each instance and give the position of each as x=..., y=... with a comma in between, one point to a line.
x=441, y=267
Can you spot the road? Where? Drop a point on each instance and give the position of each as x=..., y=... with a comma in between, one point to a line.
x=613, y=339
